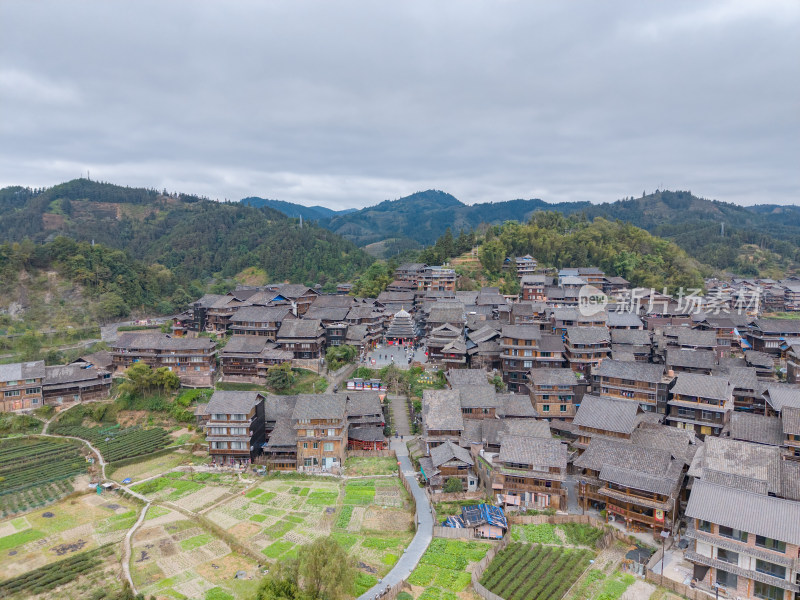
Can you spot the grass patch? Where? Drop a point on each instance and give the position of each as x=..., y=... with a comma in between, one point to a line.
x=264, y=498
x=362, y=583
x=322, y=498
x=217, y=593
x=275, y=549
x=197, y=541
x=18, y=539
x=370, y=465
x=536, y=534
x=279, y=529
x=343, y=520
x=254, y=493
x=345, y=540
x=258, y=518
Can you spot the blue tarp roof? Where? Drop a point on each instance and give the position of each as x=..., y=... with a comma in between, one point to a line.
x=474, y=516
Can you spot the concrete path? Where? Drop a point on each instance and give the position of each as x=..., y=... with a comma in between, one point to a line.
x=127, y=549
x=400, y=420
x=409, y=559
x=573, y=505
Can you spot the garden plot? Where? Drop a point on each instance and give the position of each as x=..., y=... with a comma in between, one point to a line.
x=192, y=491
x=154, y=466
x=276, y=517
x=61, y=530
x=357, y=466
x=174, y=557
x=445, y=568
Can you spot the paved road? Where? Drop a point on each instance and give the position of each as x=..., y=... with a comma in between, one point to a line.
x=399, y=407
x=409, y=559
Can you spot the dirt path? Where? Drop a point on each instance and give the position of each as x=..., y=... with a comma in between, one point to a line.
x=127, y=548
x=399, y=407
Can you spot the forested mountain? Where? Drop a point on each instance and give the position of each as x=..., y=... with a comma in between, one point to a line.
x=290, y=209
x=573, y=241
x=193, y=237
x=746, y=240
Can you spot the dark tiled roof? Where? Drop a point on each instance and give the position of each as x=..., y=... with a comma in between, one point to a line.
x=522, y=332
x=260, y=314
x=588, y=335
x=448, y=451
x=447, y=312
x=744, y=462
x=158, y=341
x=786, y=326
x=483, y=334
x=790, y=417
x=624, y=319
x=702, y=386
x=233, y=403
x=245, y=344
x=759, y=359
x=637, y=371
x=294, y=290
x=695, y=359
x=608, y=414
x=363, y=403
x=467, y=377
x=319, y=406
x=539, y=453
x=633, y=337
x=300, y=328
x=553, y=377
x=780, y=395
x=60, y=374
x=478, y=396
x=331, y=300
x=633, y=464
x=327, y=313
x=756, y=428
x=517, y=405
x=283, y=434
x=441, y=410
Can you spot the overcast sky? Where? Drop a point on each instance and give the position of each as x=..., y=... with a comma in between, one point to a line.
x=351, y=103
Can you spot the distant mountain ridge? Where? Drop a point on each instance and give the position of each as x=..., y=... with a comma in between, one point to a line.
x=290, y=209
x=745, y=239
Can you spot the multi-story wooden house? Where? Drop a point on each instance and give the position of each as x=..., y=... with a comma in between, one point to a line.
x=303, y=337
x=586, y=347
x=235, y=427
x=193, y=360
x=529, y=472
x=602, y=417
x=631, y=342
x=447, y=461
x=365, y=421
x=21, y=384
x=75, y=383
x=264, y=321
x=701, y=403
x=563, y=318
x=299, y=297
x=636, y=381
x=320, y=423
x=765, y=335
x=483, y=348
x=219, y=312
x=409, y=271
x=699, y=362
x=530, y=313
x=636, y=484
x=624, y=321
x=442, y=419
x=524, y=348
x=246, y=358
x=555, y=393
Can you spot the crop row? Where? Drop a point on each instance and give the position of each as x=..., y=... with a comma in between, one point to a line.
x=522, y=572
x=34, y=497
x=51, y=576
x=33, y=474
x=119, y=444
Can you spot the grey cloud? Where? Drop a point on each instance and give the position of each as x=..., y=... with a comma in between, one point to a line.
x=348, y=103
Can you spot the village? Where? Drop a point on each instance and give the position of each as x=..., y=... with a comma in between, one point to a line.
x=581, y=425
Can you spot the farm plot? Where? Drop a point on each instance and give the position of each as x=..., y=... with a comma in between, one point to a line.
x=174, y=557
x=357, y=466
x=64, y=529
x=115, y=443
x=371, y=518
x=535, y=572
x=193, y=491
x=148, y=467
x=35, y=472
x=446, y=567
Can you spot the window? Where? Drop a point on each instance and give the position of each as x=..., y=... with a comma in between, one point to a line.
x=305, y=445
x=708, y=415
x=218, y=417
x=307, y=462
x=770, y=544
x=704, y=526
x=35, y=401
x=30, y=381
x=328, y=447
x=11, y=394
x=527, y=364
x=331, y=432
x=316, y=445
x=238, y=430
x=13, y=382
x=238, y=417
x=769, y=568
x=728, y=556
x=545, y=396
x=563, y=408
x=734, y=534
x=545, y=408
x=238, y=446
x=766, y=591
x=726, y=580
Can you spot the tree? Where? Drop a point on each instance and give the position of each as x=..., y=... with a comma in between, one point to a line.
x=321, y=571
x=326, y=570
x=165, y=379
x=138, y=379
x=498, y=384
x=280, y=377
x=337, y=356
x=453, y=485
x=112, y=305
